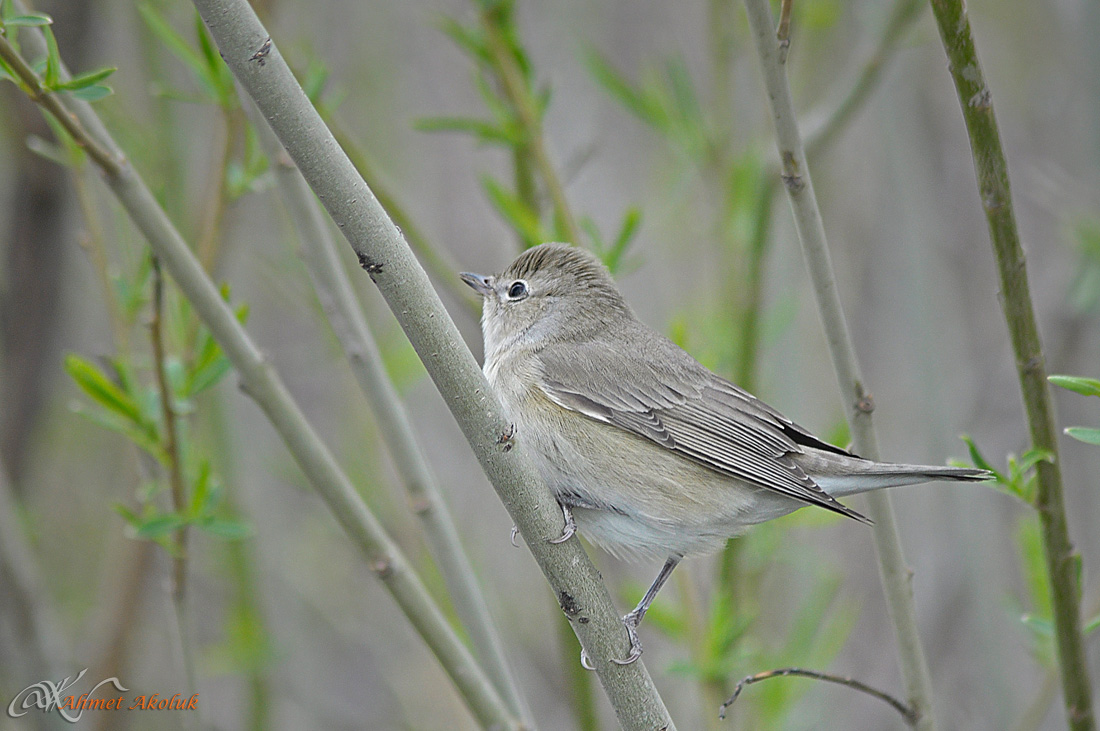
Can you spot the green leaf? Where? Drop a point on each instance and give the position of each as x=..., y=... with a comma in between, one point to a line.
x=229, y=530
x=86, y=79
x=52, y=76
x=979, y=460
x=1084, y=434
x=515, y=212
x=159, y=525
x=1078, y=384
x=92, y=94
x=469, y=40
x=29, y=20
x=101, y=389
x=140, y=436
x=484, y=131
x=1092, y=625
x=642, y=104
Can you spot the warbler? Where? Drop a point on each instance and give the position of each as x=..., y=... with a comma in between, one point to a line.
x=646, y=450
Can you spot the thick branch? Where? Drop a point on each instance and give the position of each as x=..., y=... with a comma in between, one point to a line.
x=1063, y=563
x=893, y=571
x=258, y=65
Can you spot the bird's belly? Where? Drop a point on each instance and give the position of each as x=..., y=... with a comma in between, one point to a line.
x=633, y=497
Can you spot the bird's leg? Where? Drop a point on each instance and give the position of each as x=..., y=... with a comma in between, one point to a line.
x=570, y=525
x=635, y=616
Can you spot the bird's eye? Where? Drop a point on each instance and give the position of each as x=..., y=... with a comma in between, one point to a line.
x=518, y=290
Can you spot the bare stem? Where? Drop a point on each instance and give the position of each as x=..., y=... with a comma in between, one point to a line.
x=263, y=384
x=894, y=573
x=909, y=714
x=1063, y=563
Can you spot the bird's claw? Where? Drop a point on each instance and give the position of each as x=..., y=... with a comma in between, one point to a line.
x=515, y=532
x=631, y=621
x=569, y=529
x=585, y=662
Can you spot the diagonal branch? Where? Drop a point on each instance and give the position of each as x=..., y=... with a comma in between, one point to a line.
x=895, y=575
x=257, y=63
x=425, y=497
x=263, y=384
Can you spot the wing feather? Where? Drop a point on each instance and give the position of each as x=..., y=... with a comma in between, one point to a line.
x=663, y=394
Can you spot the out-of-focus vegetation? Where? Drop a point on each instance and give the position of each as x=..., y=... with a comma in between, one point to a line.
x=640, y=132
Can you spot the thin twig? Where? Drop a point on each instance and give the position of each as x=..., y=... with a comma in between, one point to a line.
x=263, y=384
x=909, y=714
x=894, y=573
x=1063, y=563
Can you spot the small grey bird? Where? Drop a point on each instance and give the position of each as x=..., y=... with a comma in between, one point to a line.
x=646, y=450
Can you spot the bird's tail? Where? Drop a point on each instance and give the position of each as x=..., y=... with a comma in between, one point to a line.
x=840, y=475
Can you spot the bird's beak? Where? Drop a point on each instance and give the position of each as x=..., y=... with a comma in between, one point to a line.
x=482, y=284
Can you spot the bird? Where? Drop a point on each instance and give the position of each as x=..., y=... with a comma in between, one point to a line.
x=648, y=452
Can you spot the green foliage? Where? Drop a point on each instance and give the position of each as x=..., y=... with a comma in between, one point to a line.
x=86, y=86
x=1019, y=479
x=1085, y=387
x=126, y=400
x=214, y=79
x=666, y=101
x=516, y=105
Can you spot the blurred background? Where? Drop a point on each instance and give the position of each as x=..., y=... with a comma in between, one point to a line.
x=655, y=120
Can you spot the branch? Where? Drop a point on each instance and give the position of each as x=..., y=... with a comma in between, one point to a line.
x=894, y=573
x=263, y=384
x=1063, y=563
x=906, y=712
x=339, y=302
x=255, y=60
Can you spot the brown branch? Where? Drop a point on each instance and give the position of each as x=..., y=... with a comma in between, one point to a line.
x=908, y=713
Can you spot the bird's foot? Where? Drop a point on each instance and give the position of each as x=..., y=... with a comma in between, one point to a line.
x=570, y=526
x=630, y=621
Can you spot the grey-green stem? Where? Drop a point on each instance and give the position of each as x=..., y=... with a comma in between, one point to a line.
x=895, y=575
x=255, y=60
x=1062, y=561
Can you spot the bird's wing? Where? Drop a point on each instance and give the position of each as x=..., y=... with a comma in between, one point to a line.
x=661, y=393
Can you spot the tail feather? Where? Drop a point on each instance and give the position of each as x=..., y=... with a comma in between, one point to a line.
x=840, y=475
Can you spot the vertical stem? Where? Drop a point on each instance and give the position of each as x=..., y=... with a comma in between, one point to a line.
x=893, y=571
x=1063, y=563
x=171, y=437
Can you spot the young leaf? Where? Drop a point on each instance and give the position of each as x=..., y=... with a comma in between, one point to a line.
x=1078, y=384
x=92, y=94
x=515, y=212
x=1084, y=434
x=36, y=20
x=52, y=76
x=86, y=79
x=229, y=530
x=101, y=389
x=159, y=525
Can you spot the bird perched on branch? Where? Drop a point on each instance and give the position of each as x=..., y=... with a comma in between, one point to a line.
x=646, y=450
